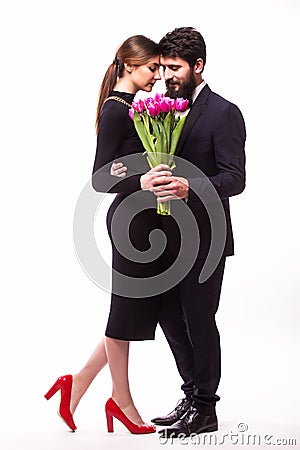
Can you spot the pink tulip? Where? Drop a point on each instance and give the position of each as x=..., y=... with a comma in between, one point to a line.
x=131, y=113
x=153, y=110
x=142, y=106
x=165, y=105
x=149, y=101
x=135, y=106
x=181, y=104
x=158, y=97
x=171, y=102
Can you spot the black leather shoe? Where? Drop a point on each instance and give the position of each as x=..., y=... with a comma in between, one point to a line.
x=193, y=422
x=179, y=411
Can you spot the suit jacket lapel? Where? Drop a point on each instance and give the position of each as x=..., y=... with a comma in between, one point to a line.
x=194, y=114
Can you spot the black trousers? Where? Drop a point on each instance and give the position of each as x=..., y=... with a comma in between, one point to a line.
x=187, y=318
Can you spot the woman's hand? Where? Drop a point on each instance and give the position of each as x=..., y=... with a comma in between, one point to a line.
x=118, y=169
x=157, y=176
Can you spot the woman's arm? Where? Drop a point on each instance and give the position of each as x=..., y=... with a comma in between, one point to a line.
x=114, y=129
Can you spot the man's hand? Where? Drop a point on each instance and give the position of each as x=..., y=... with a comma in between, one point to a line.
x=118, y=169
x=164, y=185
x=157, y=176
x=158, y=180
x=175, y=188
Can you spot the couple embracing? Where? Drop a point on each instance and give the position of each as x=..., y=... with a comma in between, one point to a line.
x=212, y=141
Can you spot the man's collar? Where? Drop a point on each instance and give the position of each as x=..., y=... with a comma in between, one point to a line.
x=197, y=90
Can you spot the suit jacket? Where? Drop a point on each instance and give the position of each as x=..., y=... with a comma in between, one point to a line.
x=213, y=140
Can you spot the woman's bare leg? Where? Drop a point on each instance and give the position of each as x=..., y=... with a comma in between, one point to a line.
x=117, y=354
x=83, y=379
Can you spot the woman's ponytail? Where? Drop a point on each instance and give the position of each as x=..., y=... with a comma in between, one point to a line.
x=109, y=80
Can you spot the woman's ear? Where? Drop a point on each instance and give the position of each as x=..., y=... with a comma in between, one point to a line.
x=128, y=67
x=198, y=68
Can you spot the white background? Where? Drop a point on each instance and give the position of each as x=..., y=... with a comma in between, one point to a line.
x=53, y=57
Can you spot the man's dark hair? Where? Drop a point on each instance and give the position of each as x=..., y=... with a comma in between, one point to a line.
x=185, y=43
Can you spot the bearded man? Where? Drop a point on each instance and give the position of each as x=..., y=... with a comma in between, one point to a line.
x=213, y=140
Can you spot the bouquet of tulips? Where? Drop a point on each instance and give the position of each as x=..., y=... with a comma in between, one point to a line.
x=159, y=125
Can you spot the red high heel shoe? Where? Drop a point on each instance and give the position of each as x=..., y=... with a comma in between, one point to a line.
x=113, y=410
x=65, y=385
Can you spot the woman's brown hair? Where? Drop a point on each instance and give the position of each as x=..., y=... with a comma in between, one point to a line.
x=136, y=50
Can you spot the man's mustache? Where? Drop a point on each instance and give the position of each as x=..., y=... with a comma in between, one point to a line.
x=171, y=83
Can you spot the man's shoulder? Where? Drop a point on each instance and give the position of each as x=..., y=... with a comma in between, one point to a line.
x=221, y=102
x=218, y=99
x=224, y=110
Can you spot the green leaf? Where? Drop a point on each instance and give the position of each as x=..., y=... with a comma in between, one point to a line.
x=176, y=134
x=142, y=132
x=146, y=122
x=159, y=144
x=153, y=159
x=167, y=127
x=155, y=127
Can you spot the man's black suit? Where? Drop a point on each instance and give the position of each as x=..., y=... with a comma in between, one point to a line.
x=212, y=139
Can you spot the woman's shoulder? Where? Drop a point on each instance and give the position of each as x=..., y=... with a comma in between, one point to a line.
x=118, y=99
x=115, y=115
x=125, y=96
x=117, y=105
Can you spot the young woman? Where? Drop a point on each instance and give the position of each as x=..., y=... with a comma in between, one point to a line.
x=135, y=67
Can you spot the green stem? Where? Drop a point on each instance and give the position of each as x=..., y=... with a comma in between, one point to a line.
x=164, y=208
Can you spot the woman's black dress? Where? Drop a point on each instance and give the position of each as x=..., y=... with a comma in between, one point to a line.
x=129, y=318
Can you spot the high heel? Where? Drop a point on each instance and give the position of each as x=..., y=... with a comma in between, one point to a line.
x=113, y=410
x=64, y=384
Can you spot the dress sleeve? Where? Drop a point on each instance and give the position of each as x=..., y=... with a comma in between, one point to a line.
x=113, y=131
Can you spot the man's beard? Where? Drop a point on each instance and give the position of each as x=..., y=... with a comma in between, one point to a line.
x=185, y=90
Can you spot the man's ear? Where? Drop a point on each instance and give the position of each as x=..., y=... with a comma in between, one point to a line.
x=198, y=68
